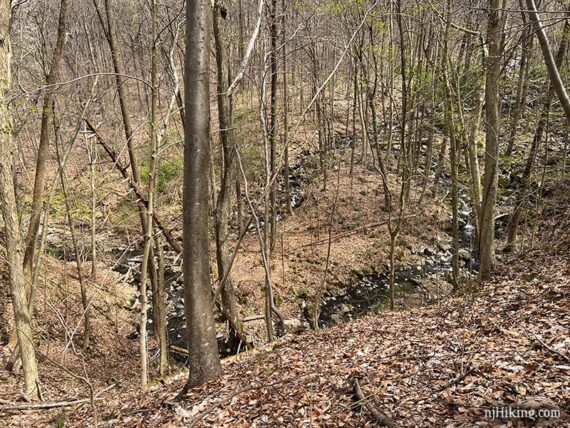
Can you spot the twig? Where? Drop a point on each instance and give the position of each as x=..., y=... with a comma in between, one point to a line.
x=254, y=318
x=554, y=351
x=534, y=337
x=470, y=369
x=381, y=418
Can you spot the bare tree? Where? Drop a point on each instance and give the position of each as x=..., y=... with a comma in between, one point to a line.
x=224, y=202
x=43, y=149
x=14, y=244
x=549, y=59
x=203, y=358
x=493, y=67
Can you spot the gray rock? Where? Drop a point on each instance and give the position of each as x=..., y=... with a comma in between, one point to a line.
x=336, y=318
x=464, y=254
x=292, y=324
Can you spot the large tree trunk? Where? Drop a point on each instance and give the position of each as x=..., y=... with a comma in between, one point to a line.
x=493, y=64
x=203, y=359
x=14, y=244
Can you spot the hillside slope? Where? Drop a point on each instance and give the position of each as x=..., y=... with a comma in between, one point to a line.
x=505, y=343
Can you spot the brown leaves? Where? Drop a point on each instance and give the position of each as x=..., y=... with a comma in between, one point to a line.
x=434, y=366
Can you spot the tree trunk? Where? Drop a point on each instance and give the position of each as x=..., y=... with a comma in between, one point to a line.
x=148, y=236
x=274, y=35
x=285, y=110
x=125, y=115
x=161, y=308
x=453, y=158
x=522, y=86
x=533, y=152
x=43, y=149
x=203, y=359
x=224, y=200
x=14, y=244
x=549, y=60
x=493, y=71
x=78, y=263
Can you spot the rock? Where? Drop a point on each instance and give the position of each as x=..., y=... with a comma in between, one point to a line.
x=443, y=246
x=293, y=324
x=336, y=318
x=464, y=254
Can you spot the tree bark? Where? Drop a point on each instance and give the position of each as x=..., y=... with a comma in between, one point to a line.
x=14, y=244
x=274, y=36
x=125, y=115
x=286, y=168
x=493, y=71
x=203, y=359
x=224, y=201
x=161, y=308
x=453, y=158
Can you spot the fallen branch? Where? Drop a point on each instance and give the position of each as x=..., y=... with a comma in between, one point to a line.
x=51, y=405
x=545, y=346
x=469, y=369
x=178, y=349
x=42, y=406
x=381, y=418
x=123, y=169
x=250, y=45
x=537, y=339
x=254, y=318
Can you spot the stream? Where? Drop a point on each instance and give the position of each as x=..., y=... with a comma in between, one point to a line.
x=367, y=294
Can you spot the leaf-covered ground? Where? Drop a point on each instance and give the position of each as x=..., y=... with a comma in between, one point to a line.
x=503, y=343
x=506, y=343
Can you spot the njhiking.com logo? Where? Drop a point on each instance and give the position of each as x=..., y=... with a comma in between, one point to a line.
x=510, y=412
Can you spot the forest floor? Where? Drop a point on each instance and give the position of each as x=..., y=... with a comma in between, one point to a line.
x=502, y=343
